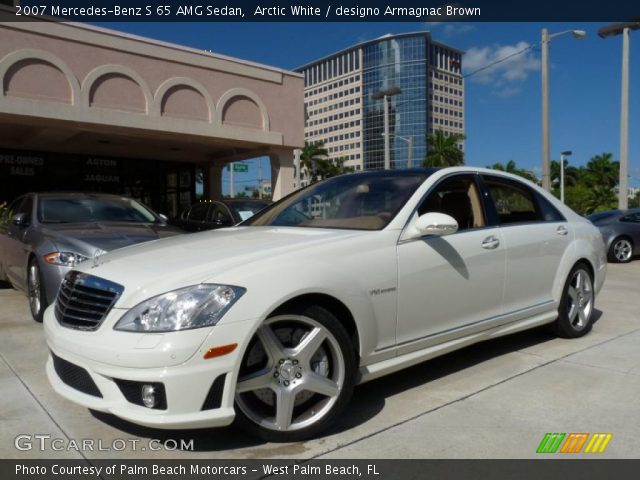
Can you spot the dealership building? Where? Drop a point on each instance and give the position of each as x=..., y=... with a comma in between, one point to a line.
x=344, y=110
x=85, y=108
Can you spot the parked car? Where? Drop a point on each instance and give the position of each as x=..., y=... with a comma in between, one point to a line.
x=275, y=321
x=47, y=234
x=621, y=233
x=209, y=215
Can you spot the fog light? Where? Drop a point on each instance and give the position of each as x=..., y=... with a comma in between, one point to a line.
x=149, y=396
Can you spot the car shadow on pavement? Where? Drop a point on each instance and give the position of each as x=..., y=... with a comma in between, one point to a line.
x=368, y=400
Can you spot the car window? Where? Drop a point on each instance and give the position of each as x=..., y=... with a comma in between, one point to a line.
x=514, y=202
x=247, y=209
x=458, y=197
x=631, y=218
x=198, y=213
x=548, y=211
x=361, y=201
x=83, y=209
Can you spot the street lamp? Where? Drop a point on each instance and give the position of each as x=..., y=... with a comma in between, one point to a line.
x=546, y=145
x=611, y=31
x=384, y=95
x=562, y=157
x=409, y=141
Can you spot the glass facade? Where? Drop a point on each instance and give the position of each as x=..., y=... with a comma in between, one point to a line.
x=395, y=62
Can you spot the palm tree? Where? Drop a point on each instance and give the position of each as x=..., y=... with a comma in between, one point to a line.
x=511, y=167
x=443, y=150
x=571, y=173
x=316, y=165
x=601, y=170
x=312, y=155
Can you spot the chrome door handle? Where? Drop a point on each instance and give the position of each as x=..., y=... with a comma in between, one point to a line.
x=490, y=243
x=562, y=230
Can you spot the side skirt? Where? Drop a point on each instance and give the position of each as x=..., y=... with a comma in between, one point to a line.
x=385, y=367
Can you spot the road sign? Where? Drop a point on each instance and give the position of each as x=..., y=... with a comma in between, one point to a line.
x=240, y=167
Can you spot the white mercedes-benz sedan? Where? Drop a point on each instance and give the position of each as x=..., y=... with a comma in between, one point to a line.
x=273, y=322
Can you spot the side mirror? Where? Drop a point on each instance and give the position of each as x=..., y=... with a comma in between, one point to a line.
x=19, y=220
x=164, y=218
x=432, y=223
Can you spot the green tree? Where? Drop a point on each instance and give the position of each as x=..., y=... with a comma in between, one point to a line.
x=511, y=167
x=316, y=165
x=313, y=155
x=602, y=170
x=571, y=174
x=443, y=150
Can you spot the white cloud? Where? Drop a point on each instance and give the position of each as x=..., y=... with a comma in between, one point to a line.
x=452, y=29
x=514, y=64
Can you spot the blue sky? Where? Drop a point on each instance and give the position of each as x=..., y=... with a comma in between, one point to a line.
x=503, y=112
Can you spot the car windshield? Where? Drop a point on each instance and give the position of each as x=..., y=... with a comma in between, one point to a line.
x=93, y=209
x=596, y=217
x=366, y=201
x=247, y=209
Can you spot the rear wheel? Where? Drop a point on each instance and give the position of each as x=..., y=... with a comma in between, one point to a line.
x=35, y=291
x=575, y=314
x=621, y=250
x=296, y=377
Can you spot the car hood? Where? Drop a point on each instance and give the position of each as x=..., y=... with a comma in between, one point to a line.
x=91, y=238
x=154, y=268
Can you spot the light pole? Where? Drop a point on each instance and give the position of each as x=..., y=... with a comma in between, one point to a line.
x=563, y=155
x=546, y=143
x=232, y=192
x=384, y=96
x=409, y=141
x=611, y=31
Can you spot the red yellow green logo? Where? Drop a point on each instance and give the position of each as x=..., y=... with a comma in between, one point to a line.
x=574, y=442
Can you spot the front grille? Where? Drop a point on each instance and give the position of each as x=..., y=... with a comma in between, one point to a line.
x=84, y=300
x=75, y=376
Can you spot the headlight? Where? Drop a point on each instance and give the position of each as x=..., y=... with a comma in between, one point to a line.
x=64, y=259
x=191, y=307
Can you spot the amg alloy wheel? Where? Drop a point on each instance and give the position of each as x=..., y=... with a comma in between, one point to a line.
x=296, y=376
x=575, y=315
x=35, y=291
x=621, y=250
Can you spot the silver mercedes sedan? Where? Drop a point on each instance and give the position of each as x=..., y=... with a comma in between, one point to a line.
x=44, y=235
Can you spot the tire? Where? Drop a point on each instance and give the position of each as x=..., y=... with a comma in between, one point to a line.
x=621, y=250
x=35, y=291
x=296, y=377
x=575, y=314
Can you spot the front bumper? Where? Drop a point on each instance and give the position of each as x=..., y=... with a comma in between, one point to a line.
x=188, y=386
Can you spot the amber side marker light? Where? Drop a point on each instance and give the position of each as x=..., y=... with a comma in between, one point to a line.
x=220, y=351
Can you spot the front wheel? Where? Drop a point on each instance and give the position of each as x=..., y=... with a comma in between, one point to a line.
x=35, y=291
x=621, y=250
x=296, y=376
x=575, y=314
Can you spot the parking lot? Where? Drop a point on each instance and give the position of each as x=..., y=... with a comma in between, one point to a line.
x=495, y=399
